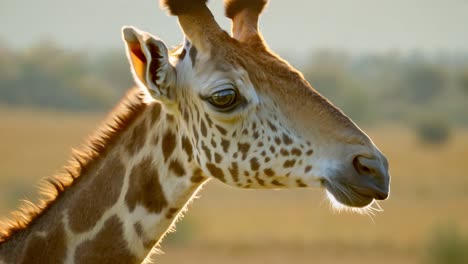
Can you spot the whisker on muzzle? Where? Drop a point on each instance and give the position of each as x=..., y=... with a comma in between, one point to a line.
x=348, y=192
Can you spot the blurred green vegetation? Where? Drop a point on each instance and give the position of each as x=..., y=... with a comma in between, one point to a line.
x=433, y=130
x=370, y=88
x=47, y=76
x=447, y=246
x=375, y=88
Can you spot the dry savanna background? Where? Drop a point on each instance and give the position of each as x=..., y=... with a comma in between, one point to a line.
x=412, y=100
x=425, y=219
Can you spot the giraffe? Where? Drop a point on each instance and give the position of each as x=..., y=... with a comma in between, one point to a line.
x=218, y=107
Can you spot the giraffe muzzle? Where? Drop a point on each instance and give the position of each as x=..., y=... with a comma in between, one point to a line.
x=358, y=184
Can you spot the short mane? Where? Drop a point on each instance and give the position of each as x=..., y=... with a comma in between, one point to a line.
x=97, y=145
x=233, y=7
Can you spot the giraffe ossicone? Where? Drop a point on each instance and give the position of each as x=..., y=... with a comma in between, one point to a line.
x=219, y=106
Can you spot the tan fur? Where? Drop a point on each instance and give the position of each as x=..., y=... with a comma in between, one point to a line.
x=84, y=159
x=145, y=188
x=52, y=245
x=96, y=196
x=109, y=246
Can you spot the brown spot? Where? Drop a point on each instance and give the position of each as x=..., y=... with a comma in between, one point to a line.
x=273, y=127
x=256, y=135
x=51, y=248
x=287, y=140
x=272, y=149
x=137, y=138
x=234, y=170
x=289, y=163
x=307, y=169
x=309, y=152
x=198, y=113
x=260, y=181
x=300, y=183
x=112, y=172
x=296, y=151
x=267, y=159
x=218, y=158
x=168, y=144
x=145, y=188
x=170, y=118
x=225, y=144
x=138, y=229
x=208, y=119
x=187, y=147
x=216, y=172
x=203, y=128
x=207, y=151
x=177, y=168
x=197, y=176
x=254, y=165
x=170, y=213
x=260, y=144
x=246, y=173
x=244, y=149
x=213, y=143
x=284, y=152
x=269, y=172
x=245, y=132
x=277, y=140
x=276, y=183
x=221, y=130
x=254, y=126
x=108, y=246
x=263, y=154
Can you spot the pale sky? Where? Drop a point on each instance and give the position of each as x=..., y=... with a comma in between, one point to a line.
x=356, y=26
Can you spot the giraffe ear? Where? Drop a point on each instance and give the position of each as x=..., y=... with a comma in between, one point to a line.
x=149, y=62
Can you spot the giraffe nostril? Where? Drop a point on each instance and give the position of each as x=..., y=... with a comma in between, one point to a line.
x=361, y=168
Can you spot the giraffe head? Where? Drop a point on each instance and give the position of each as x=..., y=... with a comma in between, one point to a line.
x=248, y=117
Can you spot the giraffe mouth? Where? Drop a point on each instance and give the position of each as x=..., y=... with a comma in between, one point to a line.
x=349, y=195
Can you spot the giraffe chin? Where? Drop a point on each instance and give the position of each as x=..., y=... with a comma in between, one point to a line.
x=345, y=195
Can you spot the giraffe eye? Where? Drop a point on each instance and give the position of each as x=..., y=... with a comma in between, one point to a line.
x=224, y=100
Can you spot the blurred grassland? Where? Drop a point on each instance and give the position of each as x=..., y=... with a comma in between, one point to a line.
x=228, y=225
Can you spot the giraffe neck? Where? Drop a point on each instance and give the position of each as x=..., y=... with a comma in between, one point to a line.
x=118, y=209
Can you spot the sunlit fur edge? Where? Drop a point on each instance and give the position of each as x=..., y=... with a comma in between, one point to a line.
x=369, y=210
